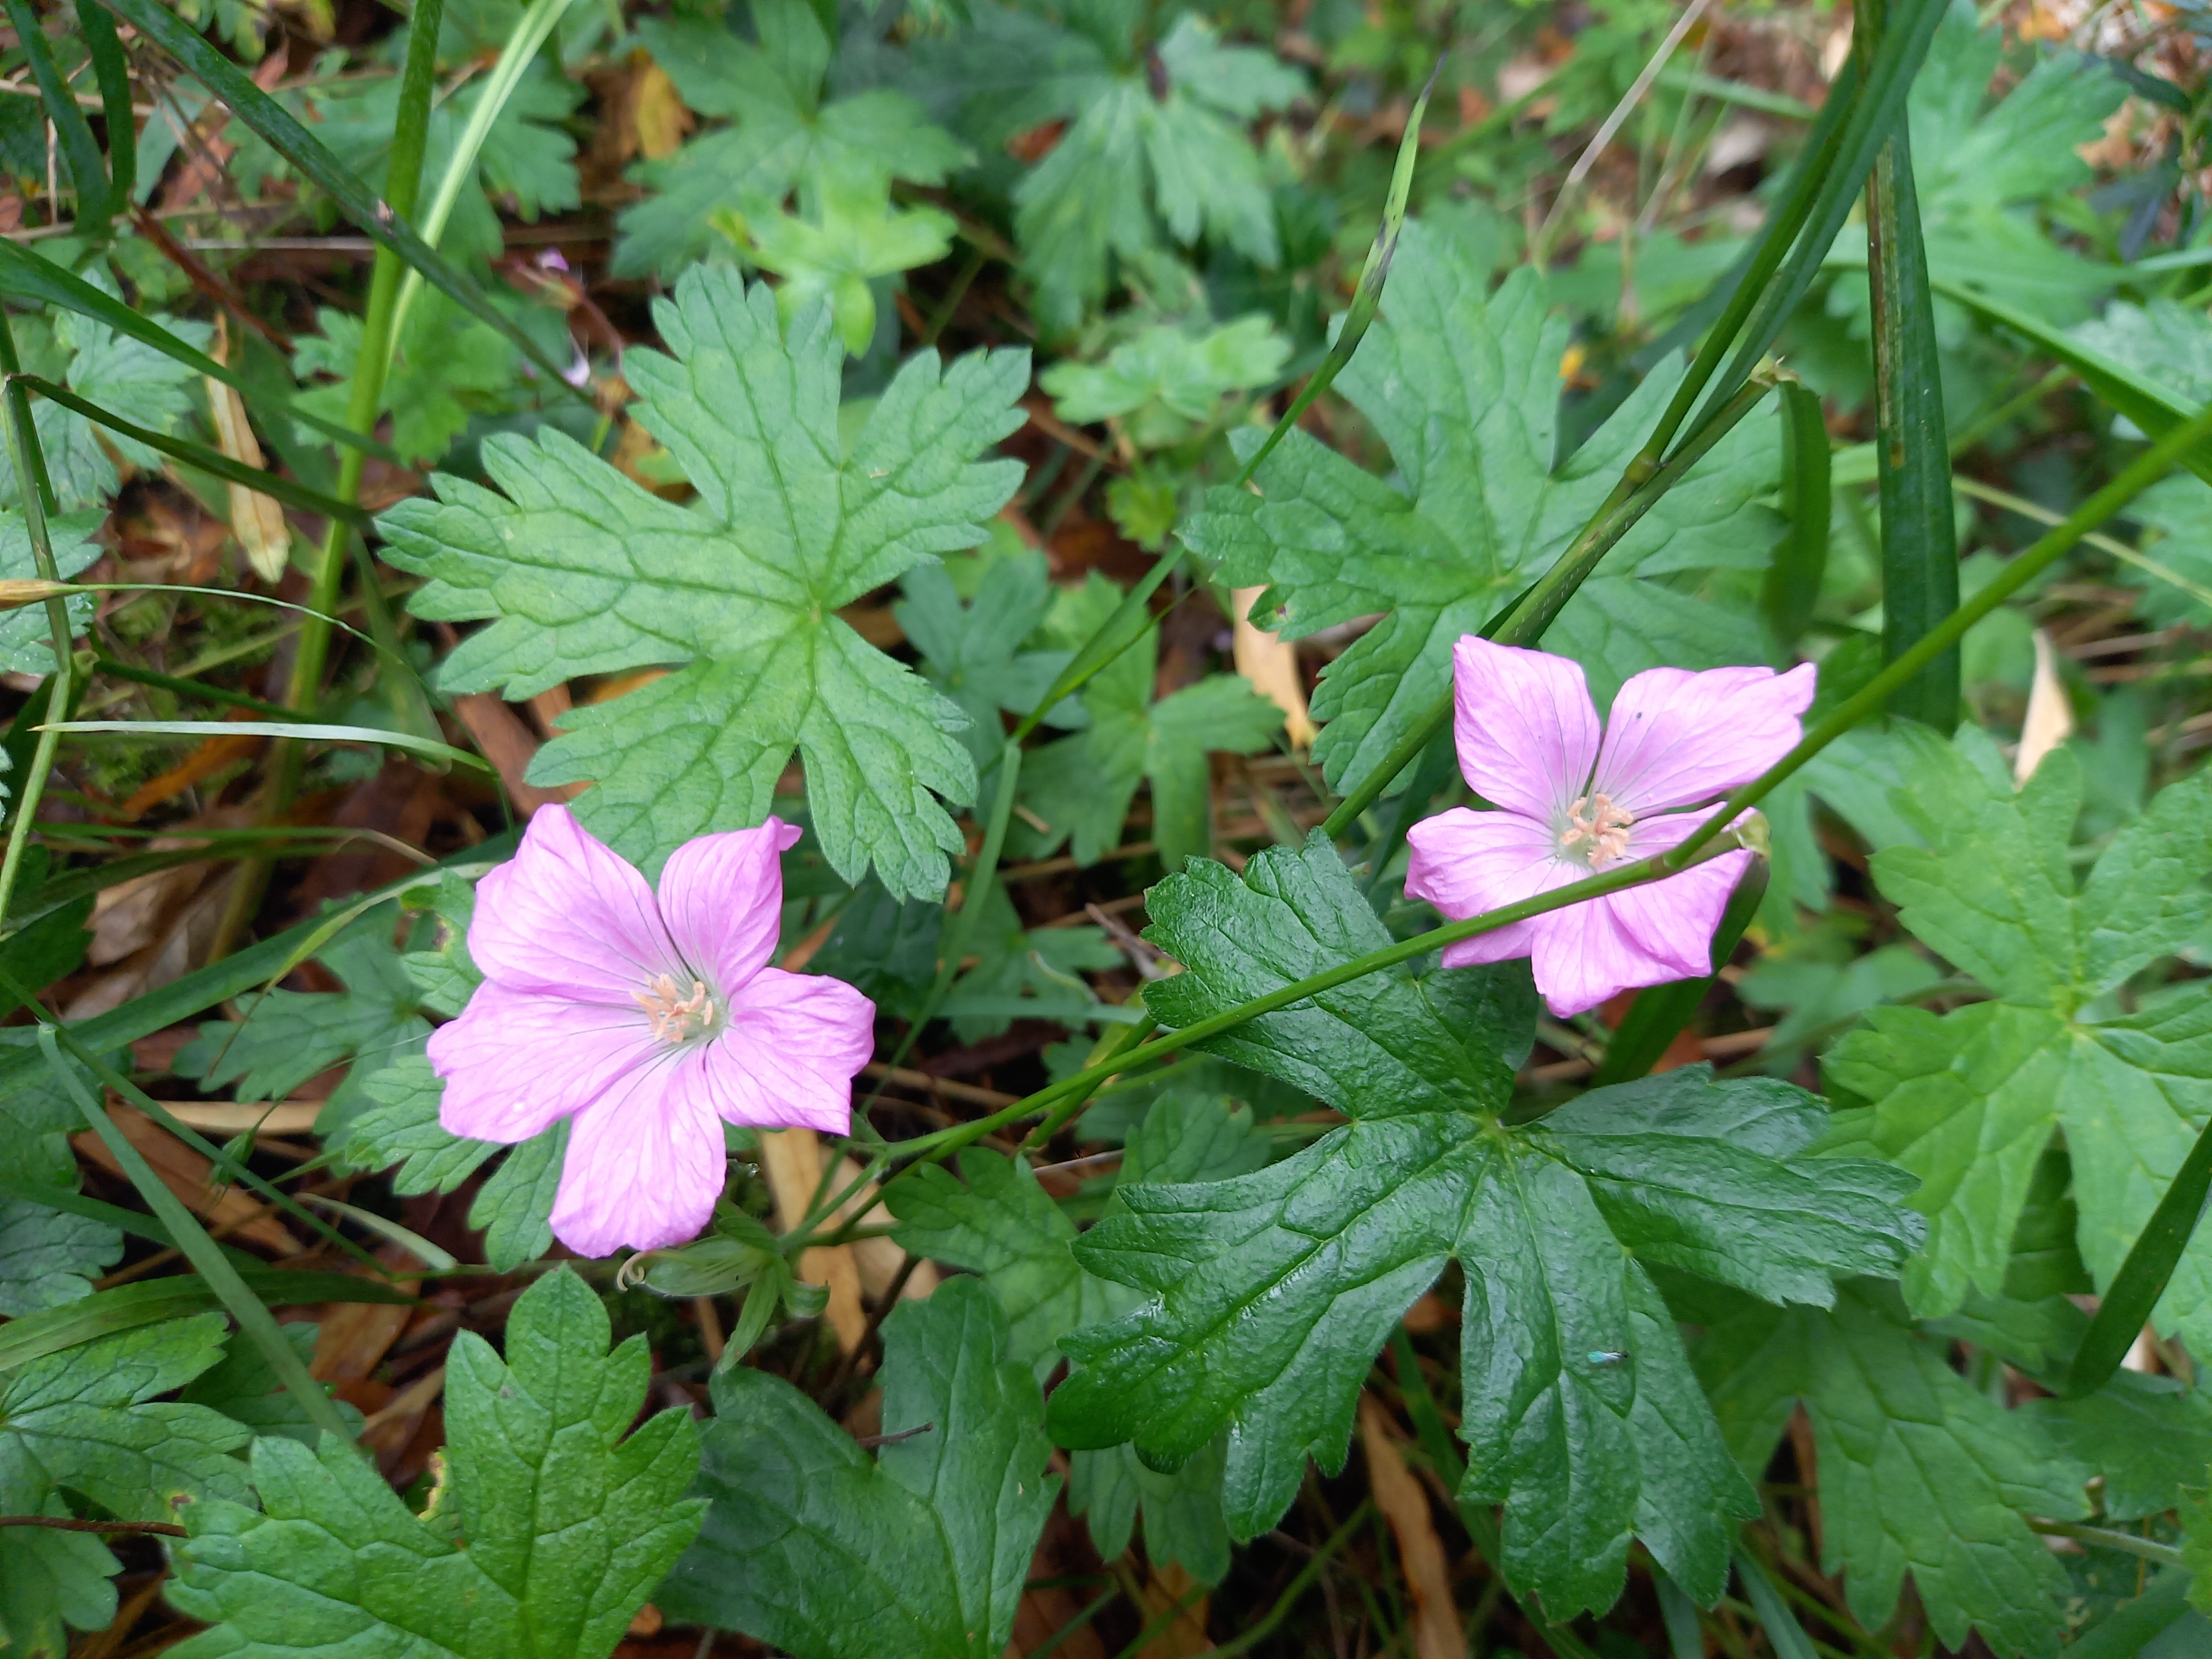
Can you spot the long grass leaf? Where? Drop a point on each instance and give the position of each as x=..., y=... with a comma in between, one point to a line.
x=238, y=1300
x=72, y=132
x=531, y=31
x=1801, y=557
x=211, y=461
x=1875, y=114
x=2142, y=1279
x=307, y=730
x=1912, y=449
x=112, y=70
x=1783, y=1634
x=2154, y=411
x=26, y=276
x=285, y=133
x=148, y=1302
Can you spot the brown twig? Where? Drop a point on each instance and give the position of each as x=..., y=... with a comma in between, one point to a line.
x=64, y=1523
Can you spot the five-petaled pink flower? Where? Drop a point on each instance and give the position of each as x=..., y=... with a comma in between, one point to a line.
x=649, y=1022
x=1570, y=806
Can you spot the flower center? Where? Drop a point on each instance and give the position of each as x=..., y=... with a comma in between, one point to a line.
x=1599, y=828
x=671, y=1013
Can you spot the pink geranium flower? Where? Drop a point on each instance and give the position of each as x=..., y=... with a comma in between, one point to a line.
x=648, y=1021
x=1570, y=806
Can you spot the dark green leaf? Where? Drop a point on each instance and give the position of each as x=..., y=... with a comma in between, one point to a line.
x=1918, y=1472
x=1271, y=1292
x=48, y=1257
x=568, y=1525
x=816, y=1548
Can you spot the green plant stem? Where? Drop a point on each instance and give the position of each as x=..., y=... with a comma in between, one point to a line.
x=206, y=1256
x=2133, y=479
x=32, y=489
x=983, y=871
x=530, y=33
x=1252, y=1634
x=402, y=184
x=1523, y=623
x=2105, y=1538
x=311, y=652
x=944, y=1142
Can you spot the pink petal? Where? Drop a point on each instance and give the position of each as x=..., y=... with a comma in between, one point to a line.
x=1526, y=728
x=1465, y=863
x=567, y=917
x=515, y=1062
x=722, y=898
x=794, y=1044
x=1648, y=935
x=1675, y=739
x=645, y=1162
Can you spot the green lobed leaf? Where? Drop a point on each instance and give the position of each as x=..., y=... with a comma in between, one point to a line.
x=785, y=139
x=1154, y=152
x=1968, y=1100
x=1081, y=785
x=814, y=1546
x=86, y=1421
x=282, y=1038
x=2144, y=1436
x=399, y=1125
x=996, y=1221
x=244, y=1387
x=972, y=652
x=584, y=572
x=1269, y=1293
x=49, y=1258
x=567, y=1523
x=1919, y=1472
x=1463, y=386
x=1167, y=382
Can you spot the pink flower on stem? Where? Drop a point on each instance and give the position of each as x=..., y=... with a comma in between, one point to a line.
x=650, y=1021
x=1570, y=806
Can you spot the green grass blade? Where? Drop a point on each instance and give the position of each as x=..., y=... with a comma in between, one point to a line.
x=2154, y=411
x=2130, y=1627
x=204, y=988
x=1801, y=558
x=535, y=26
x=26, y=276
x=72, y=132
x=1877, y=112
x=211, y=461
x=127, y=1307
x=306, y=729
x=112, y=70
x=252, y=1314
x=1680, y=1614
x=284, y=134
x=1920, y=537
x=1783, y=1634
x=2142, y=1279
